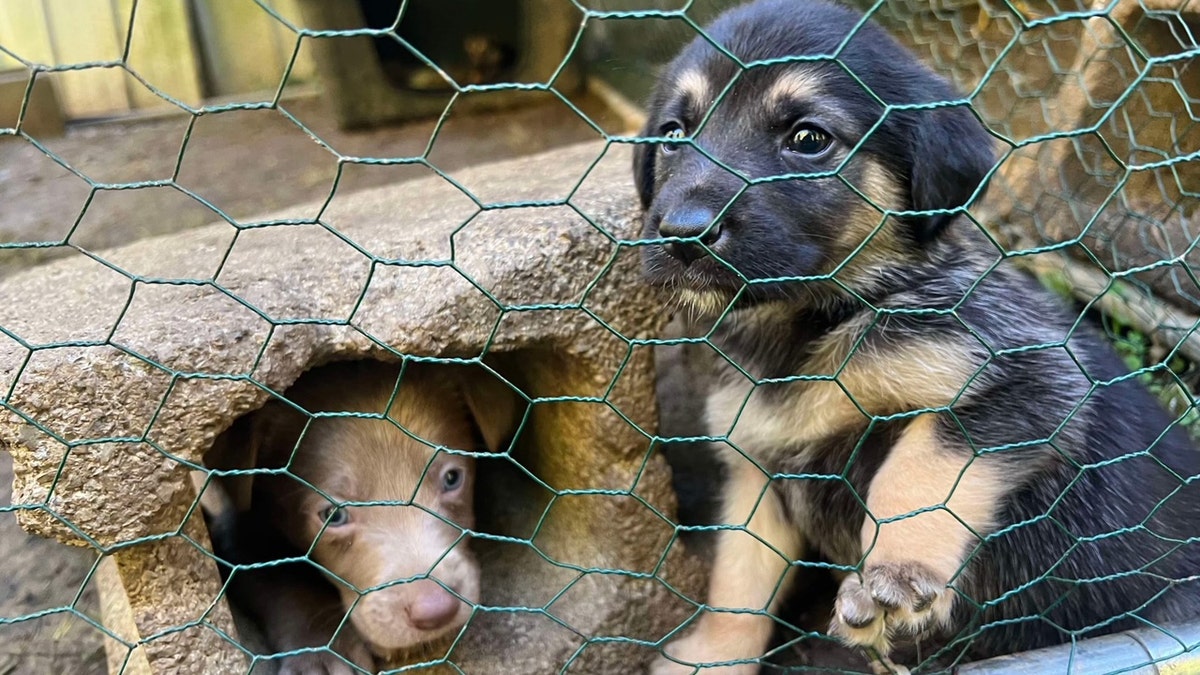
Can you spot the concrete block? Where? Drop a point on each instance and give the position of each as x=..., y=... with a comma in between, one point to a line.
x=116, y=384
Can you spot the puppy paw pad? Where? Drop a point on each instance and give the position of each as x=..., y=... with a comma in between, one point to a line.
x=888, y=600
x=855, y=606
x=857, y=618
x=903, y=587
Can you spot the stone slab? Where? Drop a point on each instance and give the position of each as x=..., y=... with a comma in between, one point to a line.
x=120, y=369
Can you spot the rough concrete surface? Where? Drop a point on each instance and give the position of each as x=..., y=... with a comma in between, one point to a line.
x=128, y=380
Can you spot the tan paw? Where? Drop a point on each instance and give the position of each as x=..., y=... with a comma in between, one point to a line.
x=321, y=663
x=349, y=656
x=889, y=600
x=716, y=642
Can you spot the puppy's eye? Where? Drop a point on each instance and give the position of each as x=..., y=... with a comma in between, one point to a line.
x=452, y=479
x=809, y=140
x=334, y=516
x=673, y=131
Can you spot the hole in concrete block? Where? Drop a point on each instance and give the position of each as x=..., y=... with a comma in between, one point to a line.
x=474, y=41
x=362, y=509
x=529, y=537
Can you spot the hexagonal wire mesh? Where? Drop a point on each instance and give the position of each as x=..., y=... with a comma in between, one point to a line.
x=1092, y=106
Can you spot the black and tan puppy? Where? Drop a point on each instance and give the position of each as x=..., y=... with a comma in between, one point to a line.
x=906, y=405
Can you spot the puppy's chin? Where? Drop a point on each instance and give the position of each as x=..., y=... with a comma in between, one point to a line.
x=707, y=287
x=704, y=304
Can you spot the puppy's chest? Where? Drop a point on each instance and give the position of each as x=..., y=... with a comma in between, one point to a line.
x=776, y=423
x=763, y=421
x=822, y=477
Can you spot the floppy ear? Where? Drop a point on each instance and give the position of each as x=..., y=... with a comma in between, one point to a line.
x=643, y=167
x=274, y=430
x=952, y=152
x=496, y=407
x=239, y=447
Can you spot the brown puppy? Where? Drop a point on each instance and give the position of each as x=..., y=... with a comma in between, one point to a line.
x=379, y=499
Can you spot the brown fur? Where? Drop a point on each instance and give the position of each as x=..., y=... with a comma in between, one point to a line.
x=400, y=568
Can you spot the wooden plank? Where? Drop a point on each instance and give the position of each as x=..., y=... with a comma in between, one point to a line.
x=116, y=614
x=305, y=69
x=23, y=30
x=246, y=49
x=238, y=46
x=82, y=31
x=8, y=40
x=161, y=50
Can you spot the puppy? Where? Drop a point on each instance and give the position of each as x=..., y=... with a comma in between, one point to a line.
x=379, y=499
x=904, y=404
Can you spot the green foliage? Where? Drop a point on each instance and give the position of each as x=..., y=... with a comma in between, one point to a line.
x=1166, y=379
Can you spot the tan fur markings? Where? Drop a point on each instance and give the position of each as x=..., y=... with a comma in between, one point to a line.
x=796, y=85
x=748, y=555
x=703, y=303
x=880, y=191
x=881, y=187
x=921, y=472
x=911, y=375
x=907, y=376
x=913, y=554
x=694, y=86
x=751, y=571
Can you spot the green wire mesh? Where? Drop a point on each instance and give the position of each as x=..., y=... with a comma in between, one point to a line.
x=1093, y=105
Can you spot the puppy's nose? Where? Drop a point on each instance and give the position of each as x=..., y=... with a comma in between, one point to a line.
x=689, y=222
x=433, y=608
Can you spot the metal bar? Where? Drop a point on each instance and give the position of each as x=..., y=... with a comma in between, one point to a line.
x=1167, y=650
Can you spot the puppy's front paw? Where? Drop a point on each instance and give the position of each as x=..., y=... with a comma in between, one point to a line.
x=889, y=600
x=347, y=649
x=322, y=663
x=715, y=642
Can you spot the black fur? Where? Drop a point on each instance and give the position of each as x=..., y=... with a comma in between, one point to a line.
x=941, y=153
x=1089, y=451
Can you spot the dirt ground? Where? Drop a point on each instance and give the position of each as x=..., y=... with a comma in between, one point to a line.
x=243, y=163
x=44, y=576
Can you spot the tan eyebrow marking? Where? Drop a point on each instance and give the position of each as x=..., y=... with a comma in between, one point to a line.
x=694, y=86
x=794, y=85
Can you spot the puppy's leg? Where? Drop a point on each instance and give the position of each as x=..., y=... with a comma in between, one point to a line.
x=297, y=609
x=750, y=573
x=926, y=506
x=292, y=604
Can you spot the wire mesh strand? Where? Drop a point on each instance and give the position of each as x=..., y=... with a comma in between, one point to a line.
x=1112, y=169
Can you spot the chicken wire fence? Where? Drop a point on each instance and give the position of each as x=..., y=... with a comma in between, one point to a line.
x=1095, y=191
